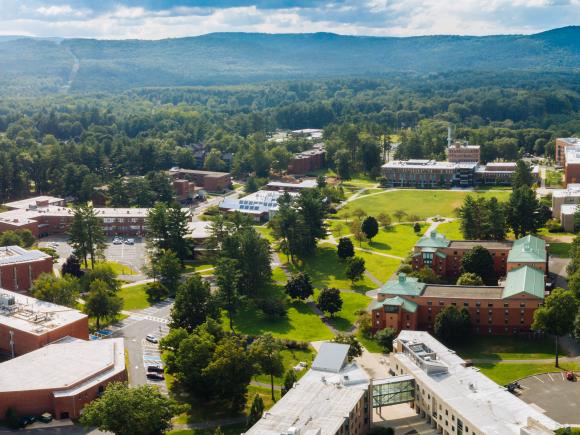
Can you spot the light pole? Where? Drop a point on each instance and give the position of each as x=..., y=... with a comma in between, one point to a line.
x=12, y=343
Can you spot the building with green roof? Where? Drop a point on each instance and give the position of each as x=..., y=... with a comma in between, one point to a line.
x=524, y=280
x=528, y=249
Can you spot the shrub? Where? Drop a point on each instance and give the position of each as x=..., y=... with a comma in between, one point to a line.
x=273, y=307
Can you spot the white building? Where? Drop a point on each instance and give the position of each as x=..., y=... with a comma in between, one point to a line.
x=457, y=399
x=261, y=205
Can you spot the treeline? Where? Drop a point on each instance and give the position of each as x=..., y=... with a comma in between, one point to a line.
x=65, y=146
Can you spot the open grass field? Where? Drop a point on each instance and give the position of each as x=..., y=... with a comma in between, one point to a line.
x=326, y=270
x=560, y=249
x=345, y=319
x=290, y=358
x=266, y=233
x=379, y=266
x=504, y=372
x=369, y=344
x=134, y=297
x=554, y=178
x=506, y=348
x=451, y=230
x=301, y=323
x=424, y=203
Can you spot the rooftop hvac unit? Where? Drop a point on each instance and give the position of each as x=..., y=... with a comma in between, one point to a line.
x=7, y=300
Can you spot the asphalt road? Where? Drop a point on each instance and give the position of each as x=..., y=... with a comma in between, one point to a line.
x=135, y=328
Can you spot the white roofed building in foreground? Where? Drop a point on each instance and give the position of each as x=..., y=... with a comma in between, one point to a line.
x=458, y=399
x=332, y=398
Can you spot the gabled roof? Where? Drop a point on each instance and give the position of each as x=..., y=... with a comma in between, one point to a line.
x=403, y=285
x=409, y=306
x=331, y=357
x=528, y=249
x=433, y=240
x=524, y=279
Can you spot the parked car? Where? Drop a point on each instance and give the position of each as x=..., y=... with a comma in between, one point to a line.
x=26, y=420
x=155, y=376
x=151, y=339
x=154, y=369
x=130, y=241
x=570, y=376
x=45, y=418
x=117, y=241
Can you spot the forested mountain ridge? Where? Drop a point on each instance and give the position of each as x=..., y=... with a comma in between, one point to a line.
x=30, y=66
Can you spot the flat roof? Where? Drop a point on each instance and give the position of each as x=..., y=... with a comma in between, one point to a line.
x=475, y=397
x=25, y=203
x=319, y=401
x=198, y=172
x=462, y=292
x=419, y=164
x=488, y=244
x=33, y=315
x=569, y=140
x=16, y=254
x=24, y=216
x=567, y=209
x=304, y=184
x=66, y=367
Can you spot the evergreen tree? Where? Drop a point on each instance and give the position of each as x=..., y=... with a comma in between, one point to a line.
x=227, y=280
x=370, y=227
x=289, y=381
x=345, y=248
x=256, y=410
x=522, y=175
x=86, y=234
x=355, y=268
x=522, y=211
x=497, y=219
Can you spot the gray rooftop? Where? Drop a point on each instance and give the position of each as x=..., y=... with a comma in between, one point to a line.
x=16, y=254
x=331, y=357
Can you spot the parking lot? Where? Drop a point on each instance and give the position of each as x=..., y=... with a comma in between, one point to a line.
x=134, y=255
x=557, y=397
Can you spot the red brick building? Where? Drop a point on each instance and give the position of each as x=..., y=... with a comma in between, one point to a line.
x=406, y=303
x=61, y=378
x=210, y=181
x=27, y=324
x=308, y=161
x=19, y=267
x=463, y=153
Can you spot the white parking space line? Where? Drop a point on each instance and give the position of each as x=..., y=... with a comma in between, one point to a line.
x=563, y=377
x=550, y=376
x=539, y=379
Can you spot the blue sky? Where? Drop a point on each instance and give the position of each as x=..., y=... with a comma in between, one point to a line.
x=150, y=19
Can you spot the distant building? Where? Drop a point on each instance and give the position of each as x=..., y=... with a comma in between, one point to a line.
x=27, y=324
x=455, y=398
x=291, y=187
x=20, y=267
x=61, y=378
x=210, y=181
x=572, y=165
x=565, y=204
x=308, y=161
x=261, y=205
x=332, y=398
x=309, y=133
x=562, y=144
x=460, y=152
x=428, y=174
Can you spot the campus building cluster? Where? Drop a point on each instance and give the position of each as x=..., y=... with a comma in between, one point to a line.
x=188, y=180
x=336, y=397
x=406, y=303
x=565, y=205
x=54, y=368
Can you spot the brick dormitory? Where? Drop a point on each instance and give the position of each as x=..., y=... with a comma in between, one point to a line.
x=522, y=265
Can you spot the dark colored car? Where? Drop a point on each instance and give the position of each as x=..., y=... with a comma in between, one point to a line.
x=155, y=376
x=26, y=420
x=154, y=369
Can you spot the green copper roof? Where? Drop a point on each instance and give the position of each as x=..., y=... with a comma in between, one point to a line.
x=527, y=250
x=403, y=285
x=433, y=240
x=409, y=306
x=524, y=279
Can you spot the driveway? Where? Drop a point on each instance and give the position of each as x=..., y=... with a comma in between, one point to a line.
x=557, y=267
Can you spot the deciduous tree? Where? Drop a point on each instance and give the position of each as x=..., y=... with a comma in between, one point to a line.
x=330, y=301
x=345, y=248
x=299, y=286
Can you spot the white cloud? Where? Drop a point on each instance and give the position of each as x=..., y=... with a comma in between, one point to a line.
x=368, y=17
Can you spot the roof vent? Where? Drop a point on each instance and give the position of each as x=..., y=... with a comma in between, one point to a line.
x=527, y=247
x=433, y=234
x=402, y=278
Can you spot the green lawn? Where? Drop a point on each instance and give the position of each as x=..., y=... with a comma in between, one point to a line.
x=505, y=347
x=554, y=178
x=560, y=249
x=379, y=266
x=203, y=267
x=104, y=322
x=451, y=230
x=301, y=324
x=424, y=203
x=370, y=344
x=118, y=268
x=290, y=358
x=351, y=303
x=504, y=373
x=134, y=297
x=266, y=233
x=396, y=240
x=278, y=275
x=326, y=270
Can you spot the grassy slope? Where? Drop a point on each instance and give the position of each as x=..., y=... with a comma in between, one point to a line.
x=134, y=297
x=504, y=373
x=351, y=303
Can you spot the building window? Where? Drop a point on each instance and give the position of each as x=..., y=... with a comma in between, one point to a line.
x=429, y=303
x=465, y=304
x=522, y=305
x=477, y=304
x=506, y=305
x=489, y=305
x=441, y=303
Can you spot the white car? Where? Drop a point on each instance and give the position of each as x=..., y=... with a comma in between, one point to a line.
x=151, y=339
x=117, y=241
x=130, y=241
